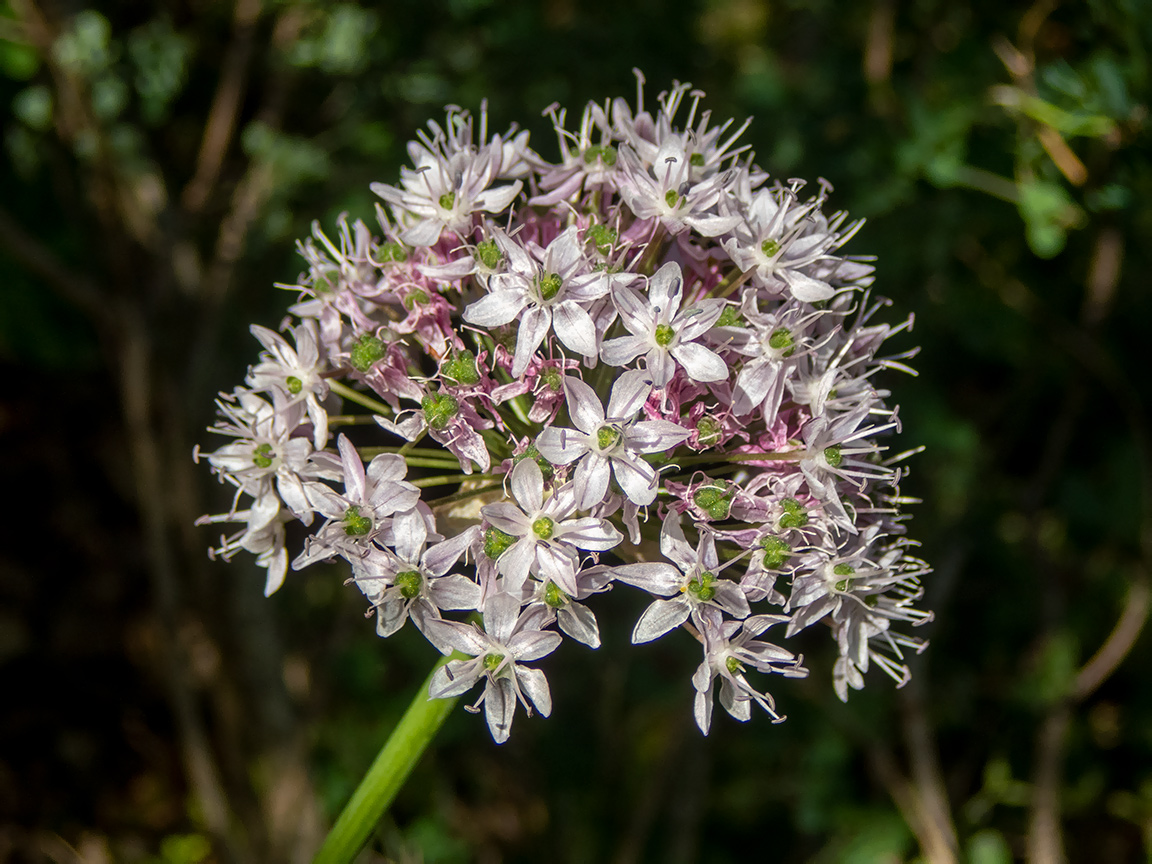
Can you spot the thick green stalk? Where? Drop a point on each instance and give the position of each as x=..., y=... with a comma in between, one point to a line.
x=393, y=764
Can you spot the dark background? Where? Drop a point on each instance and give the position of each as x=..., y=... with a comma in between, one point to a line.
x=160, y=159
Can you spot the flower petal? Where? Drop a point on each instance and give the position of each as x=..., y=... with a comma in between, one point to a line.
x=533, y=328
x=659, y=618
x=574, y=328
x=496, y=308
x=583, y=405
x=701, y=364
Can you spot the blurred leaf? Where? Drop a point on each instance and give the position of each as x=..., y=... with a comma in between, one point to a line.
x=988, y=847
x=161, y=57
x=1048, y=212
x=86, y=47
x=33, y=105
x=17, y=61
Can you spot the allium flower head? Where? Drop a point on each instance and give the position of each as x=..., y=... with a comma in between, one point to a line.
x=540, y=373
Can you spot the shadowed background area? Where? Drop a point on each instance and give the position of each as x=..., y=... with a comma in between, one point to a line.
x=160, y=160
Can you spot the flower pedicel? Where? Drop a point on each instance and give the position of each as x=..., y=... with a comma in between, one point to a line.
x=647, y=341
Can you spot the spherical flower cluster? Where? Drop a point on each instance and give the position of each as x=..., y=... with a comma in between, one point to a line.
x=552, y=371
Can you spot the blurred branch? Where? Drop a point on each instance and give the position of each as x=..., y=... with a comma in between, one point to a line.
x=221, y=124
x=38, y=260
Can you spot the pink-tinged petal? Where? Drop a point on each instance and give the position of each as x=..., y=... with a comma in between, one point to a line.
x=455, y=678
x=731, y=599
x=634, y=312
x=389, y=498
x=535, y=686
x=578, y=622
x=655, y=436
x=695, y=322
x=454, y=592
x=753, y=384
x=277, y=569
x=590, y=533
x=562, y=502
x=591, y=480
x=527, y=483
x=637, y=478
x=655, y=577
x=706, y=551
x=353, y=469
x=324, y=501
x=410, y=535
x=810, y=614
x=495, y=200
x=625, y=349
x=673, y=543
x=561, y=446
x=560, y=193
x=496, y=308
x=628, y=394
x=499, y=708
x=701, y=364
x=439, y=559
x=702, y=709
x=565, y=252
x=665, y=291
x=515, y=564
x=507, y=517
x=387, y=467
x=558, y=564
x=659, y=367
x=426, y=232
x=500, y=614
x=528, y=645
x=574, y=328
x=464, y=638
x=533, y=328
x=805, y=288
x=659, y=618
x=713, y=226
x=583, y=405
x=391, y=615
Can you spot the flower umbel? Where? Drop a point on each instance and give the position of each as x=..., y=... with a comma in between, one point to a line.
x=661, y=343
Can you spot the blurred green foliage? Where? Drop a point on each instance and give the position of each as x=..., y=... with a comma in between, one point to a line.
x=1001, y=155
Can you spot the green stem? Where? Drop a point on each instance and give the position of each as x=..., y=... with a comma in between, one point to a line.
x=446, y=479
x=463, y=496
x=393, y=764
x=770, y=456
x=346, y=392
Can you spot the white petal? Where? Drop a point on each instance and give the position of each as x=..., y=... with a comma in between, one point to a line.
x=673, y=543
x=637, y=478
x=701, y=364
x=535, y=686
x=634, y=312
x=665, y=290
x=533, y=328
x=659, y=366
x=621, y=351
x=629, y=394
x=527, y=484
x=495, y=200
x=655, y=436
x=583, y=405
x=577, y=621
x=659, y=618
x=516, y=562
x=453, y=679
x=561, y=446
x=655, y=577
x=496, y=308
x=574, y=328
x=589, y=532
x=805, y=288
x=410, y=534
x=591, y=480
x=499, y=708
